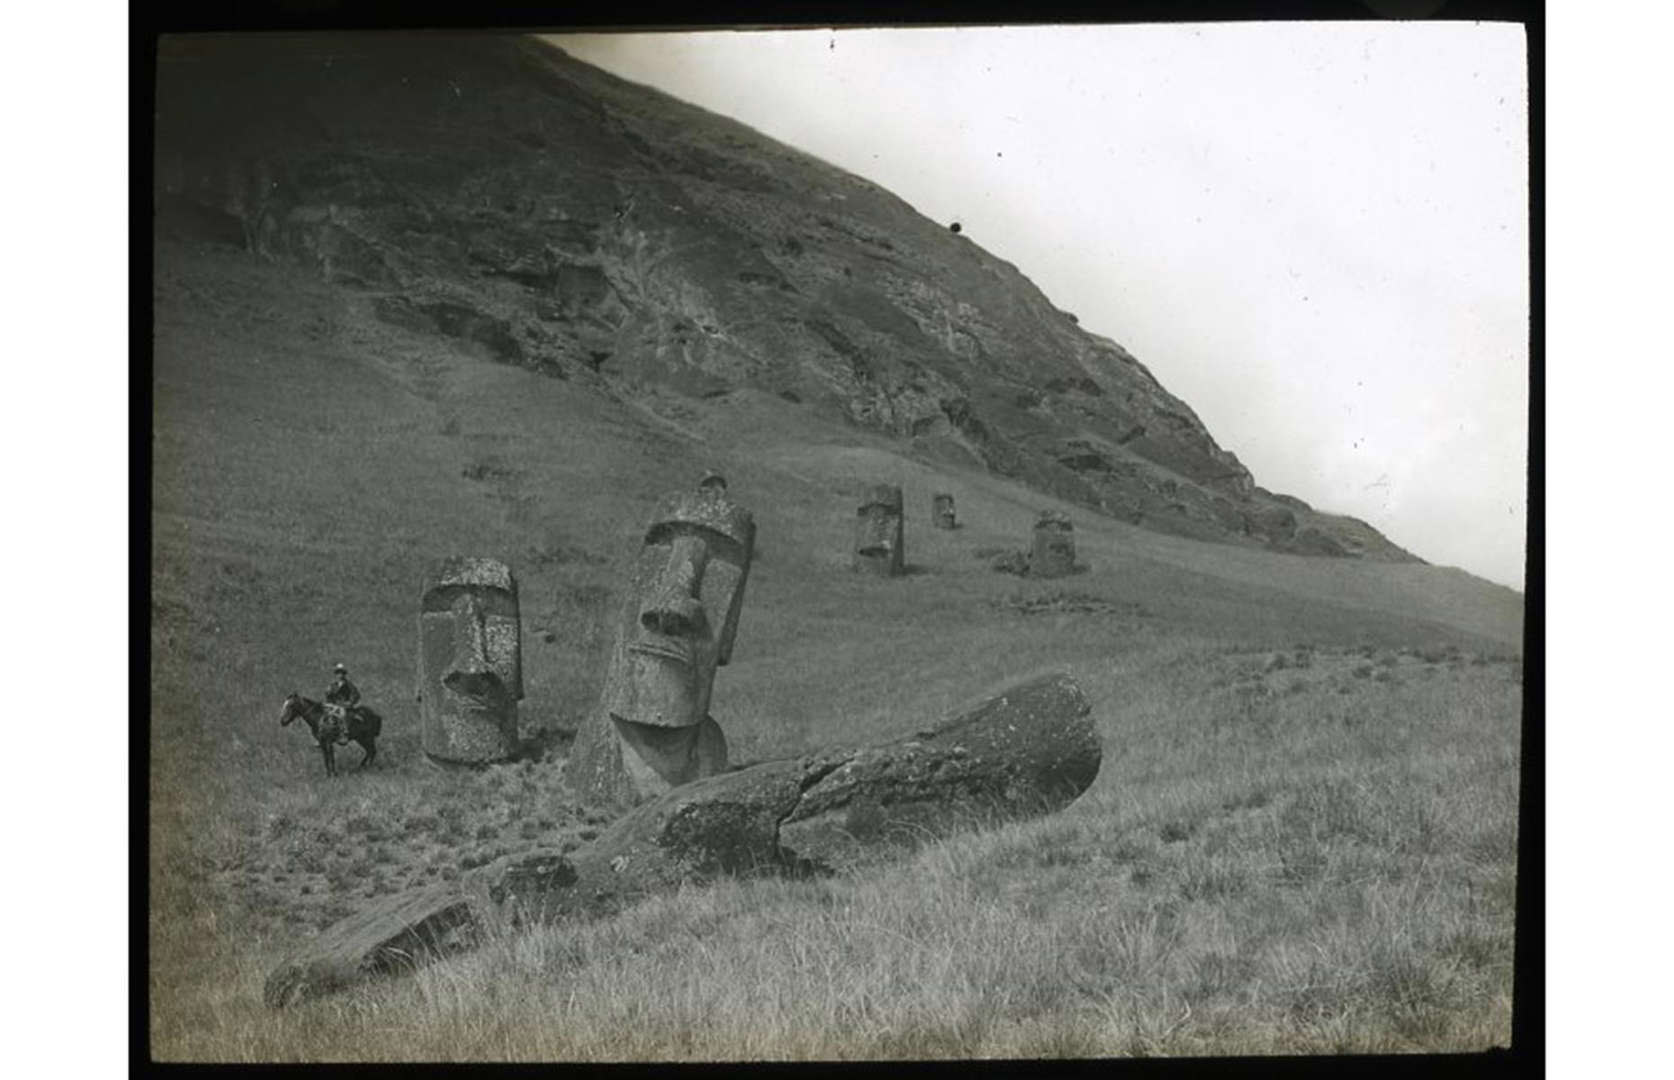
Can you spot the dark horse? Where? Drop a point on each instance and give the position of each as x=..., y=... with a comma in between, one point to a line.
x=333, y=724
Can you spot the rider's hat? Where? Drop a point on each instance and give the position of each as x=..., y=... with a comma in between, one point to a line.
x=341, y=668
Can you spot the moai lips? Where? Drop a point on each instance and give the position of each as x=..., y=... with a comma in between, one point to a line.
x=878, y=541
x=1054, y=546
x=651, y=730
x=470, y=662
x=941, y=511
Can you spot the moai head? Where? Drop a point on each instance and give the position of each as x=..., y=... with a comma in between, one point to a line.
x=878, y=547
x=681, y=612
x=941, y=511
x=1054, y=546
x=470, y=661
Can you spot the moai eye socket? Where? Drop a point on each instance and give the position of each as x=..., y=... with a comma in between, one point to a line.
x=445, y=599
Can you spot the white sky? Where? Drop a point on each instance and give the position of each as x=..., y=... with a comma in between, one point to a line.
x=1315, y=234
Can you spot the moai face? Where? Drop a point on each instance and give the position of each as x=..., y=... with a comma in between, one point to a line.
x=681, y=614
x=941, y=511
x=878, y=532
x=470, y=661
x=1054, y=545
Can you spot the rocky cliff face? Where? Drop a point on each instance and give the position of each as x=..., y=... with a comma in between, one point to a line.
x=543, y=213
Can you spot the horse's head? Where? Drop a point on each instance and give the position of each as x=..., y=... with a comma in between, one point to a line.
x=290, y=710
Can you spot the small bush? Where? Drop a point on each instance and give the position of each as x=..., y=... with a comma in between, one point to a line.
x=1175, y=831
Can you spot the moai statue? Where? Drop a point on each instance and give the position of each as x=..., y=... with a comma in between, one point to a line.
x=941, y=511
x=1054, y=547
x=878, y=532
x=470, y=676
x=652, y=730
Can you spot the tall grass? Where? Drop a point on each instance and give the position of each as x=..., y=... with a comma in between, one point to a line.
x=1353, y=897
x=1302, y=836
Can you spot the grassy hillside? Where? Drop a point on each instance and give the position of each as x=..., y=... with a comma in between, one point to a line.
x=1303, y=836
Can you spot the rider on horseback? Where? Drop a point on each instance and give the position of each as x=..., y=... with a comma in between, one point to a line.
x=340, y=698
x=342, y=691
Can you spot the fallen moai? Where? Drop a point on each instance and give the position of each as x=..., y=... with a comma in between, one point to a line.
x=470, y=665
x=1027, y=751
x=651, y=730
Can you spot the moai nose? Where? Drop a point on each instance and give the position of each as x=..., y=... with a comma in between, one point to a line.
x=470, y=647
x=673, y=616
x=672, y=608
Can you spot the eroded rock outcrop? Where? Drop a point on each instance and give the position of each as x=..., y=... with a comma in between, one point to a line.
x=531, y=209
x=1028, y=750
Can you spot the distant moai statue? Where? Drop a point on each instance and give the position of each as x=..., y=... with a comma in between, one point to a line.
x=651, y=730
x=941, y=511
x=1054, y=546
x=470, y=676
x=878, y=540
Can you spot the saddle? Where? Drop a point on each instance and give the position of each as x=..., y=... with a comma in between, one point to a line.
x=335, y=723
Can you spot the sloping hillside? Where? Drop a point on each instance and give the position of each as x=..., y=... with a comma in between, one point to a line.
x=1303, y=834
x=541, y=213
x=1298, y=751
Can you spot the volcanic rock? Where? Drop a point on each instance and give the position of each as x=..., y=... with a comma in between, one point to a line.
x=491, y=192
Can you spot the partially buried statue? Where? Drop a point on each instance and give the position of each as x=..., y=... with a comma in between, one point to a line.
x=878, y=532
x=941, y=511
x=470, y=662
x=651, y=730
x=1054, y=546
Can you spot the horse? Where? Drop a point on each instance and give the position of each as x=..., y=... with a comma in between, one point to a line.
x=334, y=724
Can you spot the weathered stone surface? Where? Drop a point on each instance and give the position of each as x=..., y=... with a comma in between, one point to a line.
x=470, y=675
x=724, y=824
x=1054, y=546
x=941, y=511
x=1029, y=750
x=651, y=730
x=618, y=764
x=395, y=933
x=879, y=540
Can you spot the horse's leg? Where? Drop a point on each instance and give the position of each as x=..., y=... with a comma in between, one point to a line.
x=330, y=762
x=370, y=746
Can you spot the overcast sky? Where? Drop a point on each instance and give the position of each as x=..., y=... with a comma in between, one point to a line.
x=1314, y=234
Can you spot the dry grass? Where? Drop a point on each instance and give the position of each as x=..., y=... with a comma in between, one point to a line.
x=1290, y=847
x=1334, y=876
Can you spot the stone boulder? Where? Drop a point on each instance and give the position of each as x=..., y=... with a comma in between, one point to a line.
x=396, y=933
x=1027, y=751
